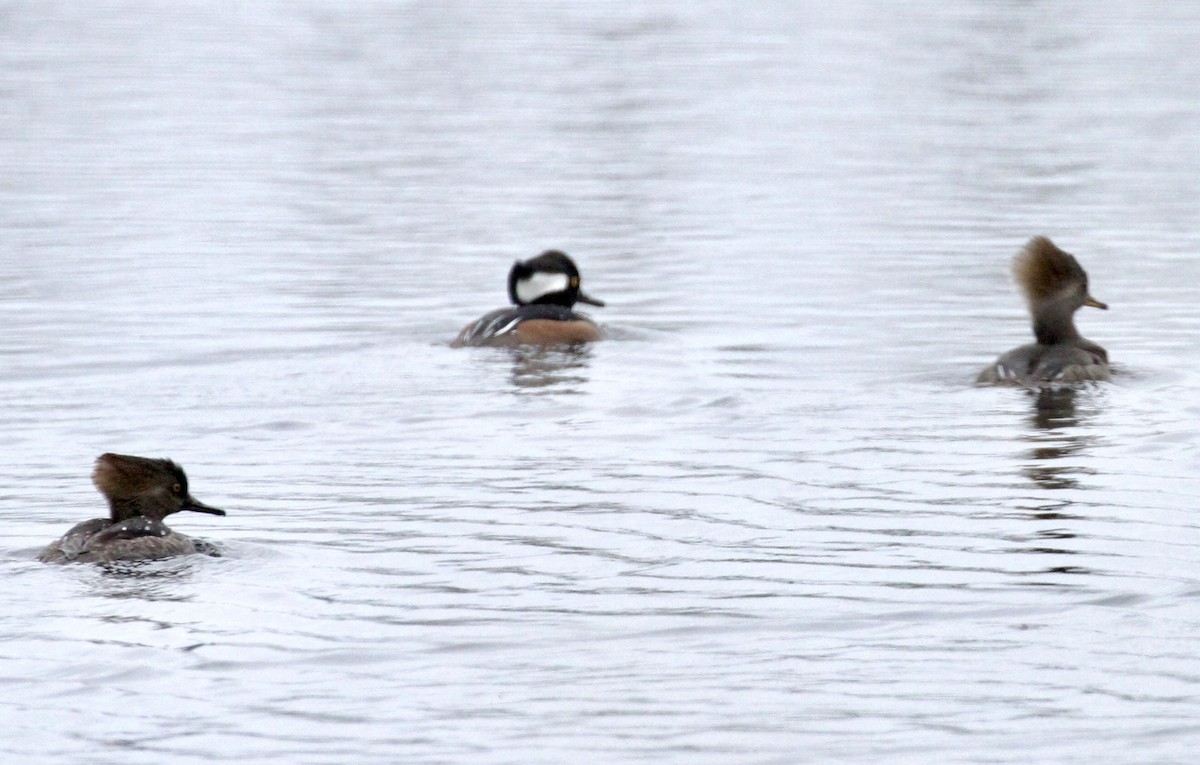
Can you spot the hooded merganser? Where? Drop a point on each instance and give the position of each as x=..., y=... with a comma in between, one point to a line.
x=1056, y=286
x=543, y=289
x=140, y=493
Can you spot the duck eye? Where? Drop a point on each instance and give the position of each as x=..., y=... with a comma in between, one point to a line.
x=177, y=488
x=574, y=281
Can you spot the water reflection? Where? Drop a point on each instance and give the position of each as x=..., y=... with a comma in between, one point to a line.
x=1054, y=419
x=158, y=580
x=1054, y=542
x=560, y=369
x=1053, y=511
x=1055, y=408
x=1056, y=438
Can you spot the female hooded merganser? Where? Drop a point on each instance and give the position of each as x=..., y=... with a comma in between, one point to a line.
x=1056, y=286
x=543, y=289
x=140, y=493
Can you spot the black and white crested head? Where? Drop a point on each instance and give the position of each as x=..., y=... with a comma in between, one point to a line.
x=549, y=279
x=1047, y=274
x=135, y=486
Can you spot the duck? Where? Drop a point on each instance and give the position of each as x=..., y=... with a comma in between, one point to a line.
x=543, y=291
x=1055, y=287
x=141, y=492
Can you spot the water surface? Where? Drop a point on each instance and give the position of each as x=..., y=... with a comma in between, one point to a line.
x=770, y=520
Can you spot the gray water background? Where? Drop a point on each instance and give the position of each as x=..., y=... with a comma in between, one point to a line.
x=769, y=520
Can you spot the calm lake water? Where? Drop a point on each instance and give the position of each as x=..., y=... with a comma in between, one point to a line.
x=769, y=520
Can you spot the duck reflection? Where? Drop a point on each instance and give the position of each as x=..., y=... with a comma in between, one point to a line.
x=144, y=580
x=1054, y=408
x=1054, y=542
x=1055, y=437
x=559, y=369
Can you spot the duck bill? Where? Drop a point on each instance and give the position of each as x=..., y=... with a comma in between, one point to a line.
x=196, y=505
x=1094, y=303
x=583, y=297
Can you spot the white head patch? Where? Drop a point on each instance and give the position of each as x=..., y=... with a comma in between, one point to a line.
x=539, y=284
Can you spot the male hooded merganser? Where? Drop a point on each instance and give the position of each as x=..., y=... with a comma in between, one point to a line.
x=1056, y=286
x=140, y=493
x=543, y=289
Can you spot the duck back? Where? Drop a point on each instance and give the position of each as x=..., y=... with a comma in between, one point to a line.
x=102, y=541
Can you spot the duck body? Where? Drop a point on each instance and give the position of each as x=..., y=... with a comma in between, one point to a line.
x=1055, y=286
x=530, y=325
x=102, y=541
x=1035, y=364
x=140, y=492
x=544, y=291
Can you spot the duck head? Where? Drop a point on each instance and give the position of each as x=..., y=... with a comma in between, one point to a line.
x=1055, y=286
x=152, y=488
x=549, y=279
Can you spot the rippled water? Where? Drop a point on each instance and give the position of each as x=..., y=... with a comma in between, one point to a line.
x=770, y=520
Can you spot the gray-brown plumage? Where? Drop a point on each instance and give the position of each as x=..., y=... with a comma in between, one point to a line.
x=1055, y=286
x=141, y=492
